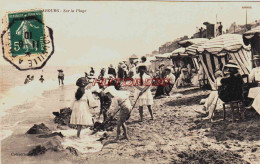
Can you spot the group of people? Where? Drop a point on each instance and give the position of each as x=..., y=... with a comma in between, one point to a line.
x=229, y=87
x=31, y=78
x=84, y=101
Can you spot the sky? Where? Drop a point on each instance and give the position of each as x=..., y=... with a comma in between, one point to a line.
x=112, y=31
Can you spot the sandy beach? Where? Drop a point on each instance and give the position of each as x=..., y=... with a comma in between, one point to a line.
x=176, y=135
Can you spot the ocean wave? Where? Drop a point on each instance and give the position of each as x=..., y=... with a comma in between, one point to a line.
x=30, y=92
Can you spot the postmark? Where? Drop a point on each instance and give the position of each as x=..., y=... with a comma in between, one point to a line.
x=27, y=43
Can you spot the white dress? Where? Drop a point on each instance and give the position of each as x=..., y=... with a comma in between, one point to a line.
x=80, y=112
x=146, y=98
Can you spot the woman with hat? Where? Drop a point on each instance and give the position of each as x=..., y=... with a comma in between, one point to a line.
x=80, y=108
x=143, y=92
x=232, y=83
x=171, y=78
x=111, y=70
x=254, y=92
x=123, y=104
x=255, y=73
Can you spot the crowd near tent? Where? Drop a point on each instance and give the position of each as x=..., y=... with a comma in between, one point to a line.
x=215, y=53
x=253, y=37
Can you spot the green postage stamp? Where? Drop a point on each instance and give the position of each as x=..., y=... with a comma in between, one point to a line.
x=27, y=43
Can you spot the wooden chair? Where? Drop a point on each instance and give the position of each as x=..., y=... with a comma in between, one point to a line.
x=234, y=105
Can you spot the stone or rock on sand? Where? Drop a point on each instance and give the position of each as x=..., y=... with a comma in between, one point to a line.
x=208, y=156
x=37, y=150
x=63, y=117
x=39, y=129
x=53, y=145
x=73, y=150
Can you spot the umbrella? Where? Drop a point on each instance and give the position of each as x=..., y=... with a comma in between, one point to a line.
x=189, y=42
x=179, y=52
x=222, y=44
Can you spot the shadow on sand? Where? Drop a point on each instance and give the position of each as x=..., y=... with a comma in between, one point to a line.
x=248, y=129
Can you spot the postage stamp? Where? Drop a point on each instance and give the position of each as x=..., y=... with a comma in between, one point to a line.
x=27, y=43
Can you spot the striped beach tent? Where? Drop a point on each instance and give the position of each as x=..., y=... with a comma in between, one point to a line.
x=191, y=46
x=215, y=53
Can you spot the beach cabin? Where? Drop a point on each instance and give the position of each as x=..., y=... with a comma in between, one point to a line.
x=215, y=53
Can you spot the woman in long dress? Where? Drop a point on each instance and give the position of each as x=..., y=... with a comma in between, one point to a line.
x=146, y=98
x=80, y=110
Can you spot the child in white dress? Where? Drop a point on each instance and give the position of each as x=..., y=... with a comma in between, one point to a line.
x=80, y=110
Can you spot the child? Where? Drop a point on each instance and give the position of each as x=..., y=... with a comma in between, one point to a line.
x=80, y=111
x=123, y=104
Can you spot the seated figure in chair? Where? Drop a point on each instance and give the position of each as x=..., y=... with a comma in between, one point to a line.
x=232, y=84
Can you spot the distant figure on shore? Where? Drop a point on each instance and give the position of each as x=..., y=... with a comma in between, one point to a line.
x=220, y=27
x=92, y=72
x=41, y=79
x=111, y=70
x=61, y=77
x=27, y=80
x=32, y=78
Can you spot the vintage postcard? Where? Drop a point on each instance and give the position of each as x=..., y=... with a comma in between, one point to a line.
x=130, y=82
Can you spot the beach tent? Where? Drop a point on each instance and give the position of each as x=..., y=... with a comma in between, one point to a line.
x=180, y=55
x=215, y=53
x=253, y=37
x=191, y=46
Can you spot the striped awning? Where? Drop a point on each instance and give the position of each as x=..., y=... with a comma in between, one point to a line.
x=189, y=42
x=192, y=50
x=222, y=44
x=179, y=52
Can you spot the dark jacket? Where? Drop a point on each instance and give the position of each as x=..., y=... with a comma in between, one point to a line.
x=231, y=89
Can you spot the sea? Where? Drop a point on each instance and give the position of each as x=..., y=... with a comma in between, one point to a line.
x=14, y=92
x=22, y=105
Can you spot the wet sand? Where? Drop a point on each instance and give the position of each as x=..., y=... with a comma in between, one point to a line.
x=176, y=135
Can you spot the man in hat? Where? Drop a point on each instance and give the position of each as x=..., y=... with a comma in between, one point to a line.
x=232, y=83
x=60, y=76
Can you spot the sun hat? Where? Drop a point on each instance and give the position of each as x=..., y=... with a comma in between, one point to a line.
x=82, y=82
x=218, y=73
x=231, y=64
x=112, y=90
x=256, y=57
x=184, y=69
